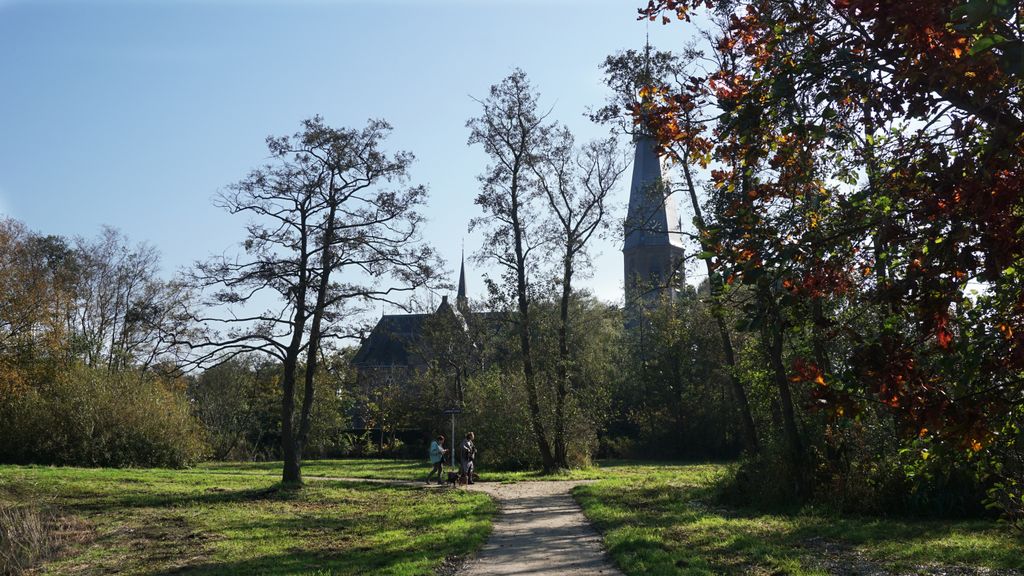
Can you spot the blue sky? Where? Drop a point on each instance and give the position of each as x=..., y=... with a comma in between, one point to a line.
x=134, y=114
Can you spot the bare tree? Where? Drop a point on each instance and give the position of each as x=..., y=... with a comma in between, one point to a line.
x=334, y=225
x=512, y=132
x=576, y=183
x=123, y=310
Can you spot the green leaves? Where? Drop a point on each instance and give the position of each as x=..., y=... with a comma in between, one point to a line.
x=972, y=14
x=986, y=43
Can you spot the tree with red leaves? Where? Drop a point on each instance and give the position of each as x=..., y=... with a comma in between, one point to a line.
x=867, y=167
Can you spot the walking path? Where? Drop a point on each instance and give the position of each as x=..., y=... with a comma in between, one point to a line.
x=540, y=530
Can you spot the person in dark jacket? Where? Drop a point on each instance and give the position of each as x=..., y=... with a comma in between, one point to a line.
x=467, y=456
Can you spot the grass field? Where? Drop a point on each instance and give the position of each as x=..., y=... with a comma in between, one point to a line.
x=656, y=519
x=164, y=521
x=417, y=470
x=662, y=520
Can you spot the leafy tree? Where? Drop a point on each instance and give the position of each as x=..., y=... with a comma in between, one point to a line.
x=235, y=401
x=496, y=402
x=867, y=168
x=541, y=192
x=576, y=184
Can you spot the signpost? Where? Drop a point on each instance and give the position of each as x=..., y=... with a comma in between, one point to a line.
x=452, y=412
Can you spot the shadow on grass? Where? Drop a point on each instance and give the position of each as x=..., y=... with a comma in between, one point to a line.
x=351, y=562
x=369, y=543
x=313, y=521
x=211, y=496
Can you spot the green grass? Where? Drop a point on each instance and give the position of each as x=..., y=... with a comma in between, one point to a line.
x=162, y=521
x=661, y=520
x=656, y=518
x=373, y=468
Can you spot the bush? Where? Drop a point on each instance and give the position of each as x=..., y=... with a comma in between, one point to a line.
x=500, y=421
x=618, y=447
x=92, y=417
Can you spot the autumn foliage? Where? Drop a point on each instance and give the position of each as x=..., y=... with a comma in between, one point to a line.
x=866, y=162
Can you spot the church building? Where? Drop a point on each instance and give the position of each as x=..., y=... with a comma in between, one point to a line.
x=653, y=267
x=395, y=347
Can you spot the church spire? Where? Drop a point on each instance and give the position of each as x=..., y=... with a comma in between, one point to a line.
x=461, y=302
x=653, y=245
x=652, y=218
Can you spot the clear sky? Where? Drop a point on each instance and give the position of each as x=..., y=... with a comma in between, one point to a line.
x=134, y=114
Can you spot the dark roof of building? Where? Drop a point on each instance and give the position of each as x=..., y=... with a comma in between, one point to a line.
x=390, y=341
x=397, y=339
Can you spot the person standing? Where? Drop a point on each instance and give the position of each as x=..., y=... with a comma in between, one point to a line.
x=467, y=455
x=437, y=453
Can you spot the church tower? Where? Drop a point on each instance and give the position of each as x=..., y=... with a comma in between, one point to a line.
x=653, y=249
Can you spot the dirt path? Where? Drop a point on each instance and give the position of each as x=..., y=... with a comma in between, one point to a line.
x=539, y=530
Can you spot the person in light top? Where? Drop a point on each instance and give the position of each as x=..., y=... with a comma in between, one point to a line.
x=437, y=452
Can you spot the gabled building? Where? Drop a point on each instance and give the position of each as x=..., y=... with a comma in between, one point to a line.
x=400, y=345
x=396, y=343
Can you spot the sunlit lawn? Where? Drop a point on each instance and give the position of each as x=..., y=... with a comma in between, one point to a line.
x=387, y=469
x=162, y=521
x=656, y=518
x=662, y=520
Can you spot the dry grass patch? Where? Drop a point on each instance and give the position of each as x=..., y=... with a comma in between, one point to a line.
x=29, y=536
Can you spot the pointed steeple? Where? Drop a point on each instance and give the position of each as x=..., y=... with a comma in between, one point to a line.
x=653, y=244
x=652, y=219
x=461, y=302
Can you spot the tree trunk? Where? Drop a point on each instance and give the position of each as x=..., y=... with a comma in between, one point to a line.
x=313, y=346
x=561, y=452
x=529, y=377
x=772, y=344
x=547, y=459
x=292, y=473
x=715, y=283
x=736, y=387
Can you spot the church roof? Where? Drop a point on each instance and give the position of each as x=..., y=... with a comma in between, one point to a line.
x=390, y=341
x=652, y=219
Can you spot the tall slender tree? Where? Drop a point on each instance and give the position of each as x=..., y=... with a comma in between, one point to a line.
x=512, y=131
x=576, y=184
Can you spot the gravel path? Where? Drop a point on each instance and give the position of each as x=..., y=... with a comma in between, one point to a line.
x=539, y=530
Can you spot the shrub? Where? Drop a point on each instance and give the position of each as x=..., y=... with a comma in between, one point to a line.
x=92, y=417
x=499, y=419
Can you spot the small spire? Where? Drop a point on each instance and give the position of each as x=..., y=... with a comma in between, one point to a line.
x=647, y=56
x=646, y=88
x=461, y=298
